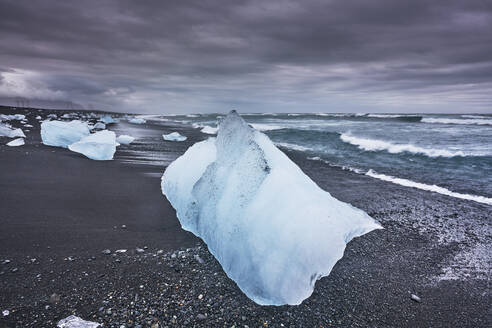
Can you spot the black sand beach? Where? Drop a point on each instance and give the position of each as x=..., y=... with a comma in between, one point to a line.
x=59, y=211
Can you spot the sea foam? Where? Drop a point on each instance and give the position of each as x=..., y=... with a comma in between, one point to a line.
x=433, y=188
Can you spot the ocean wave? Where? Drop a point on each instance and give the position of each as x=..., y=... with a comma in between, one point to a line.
x=153, y=117
x=401, y=117
x=457, y=121
x=340, y=114
x=343, y=167
x=380, y=145
x=432, y=188
x=391, y=115
x=293, y=146
x=474, y=116
x=266, y=127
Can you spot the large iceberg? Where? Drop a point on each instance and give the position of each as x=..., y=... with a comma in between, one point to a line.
x=63, y=134
x=273, y=230
x=99, y=146
x=7, y=131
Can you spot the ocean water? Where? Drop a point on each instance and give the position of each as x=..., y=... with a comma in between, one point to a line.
x=449, y=154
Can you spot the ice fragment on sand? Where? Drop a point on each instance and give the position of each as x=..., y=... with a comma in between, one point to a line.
x=99, y=146
x=125, y=139
x=99, y=125
x=7, y=131
x=273, y=230
x=17, y=117
x=16, y=142
x=107, y=119
x=209, y=130
x=137, y=120
x=174, y=136
x=76, y=322
x=63, y=134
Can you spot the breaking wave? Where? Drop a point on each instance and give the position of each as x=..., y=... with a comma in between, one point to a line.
x=475, y=121
x=266, y=127
x=380, y=145
x=410, y=183
x=474, y=116
x=390, y=115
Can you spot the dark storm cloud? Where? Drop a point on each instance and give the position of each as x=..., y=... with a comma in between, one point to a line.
x=175, y=56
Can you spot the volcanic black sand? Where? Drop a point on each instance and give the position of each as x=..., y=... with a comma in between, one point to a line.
x=59, y=211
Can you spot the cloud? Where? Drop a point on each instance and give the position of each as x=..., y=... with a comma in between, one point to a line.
x=159, y=56
x=19, y=83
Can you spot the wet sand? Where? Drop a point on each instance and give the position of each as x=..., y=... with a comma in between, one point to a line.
x=59, y=211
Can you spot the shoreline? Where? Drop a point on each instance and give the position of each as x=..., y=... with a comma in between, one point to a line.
x=54, y=198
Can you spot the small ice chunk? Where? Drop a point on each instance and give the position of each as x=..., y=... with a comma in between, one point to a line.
x=52, y=116
x=99, y=125
x=38, y=117
x=7, y=131
x=99, y=146
x=174, y=136
x=209, y=130
x=66, y=115
x=76, y=322
x=120, y=251
x=273, y=230
x=125, y=139
x=5, y=313
x=63, y=134
x=137, y=120
x=17, y=117
x=16, y=142
x=28, y=125
x=107, y=119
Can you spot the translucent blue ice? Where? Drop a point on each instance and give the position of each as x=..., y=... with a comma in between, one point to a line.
x=273, y=230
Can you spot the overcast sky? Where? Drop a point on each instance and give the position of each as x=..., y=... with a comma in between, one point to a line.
x=255, y=56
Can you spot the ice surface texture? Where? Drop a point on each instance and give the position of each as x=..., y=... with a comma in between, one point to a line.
x=99, y=146
x=273, y=230
x=174, y=136
x=63, y=134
